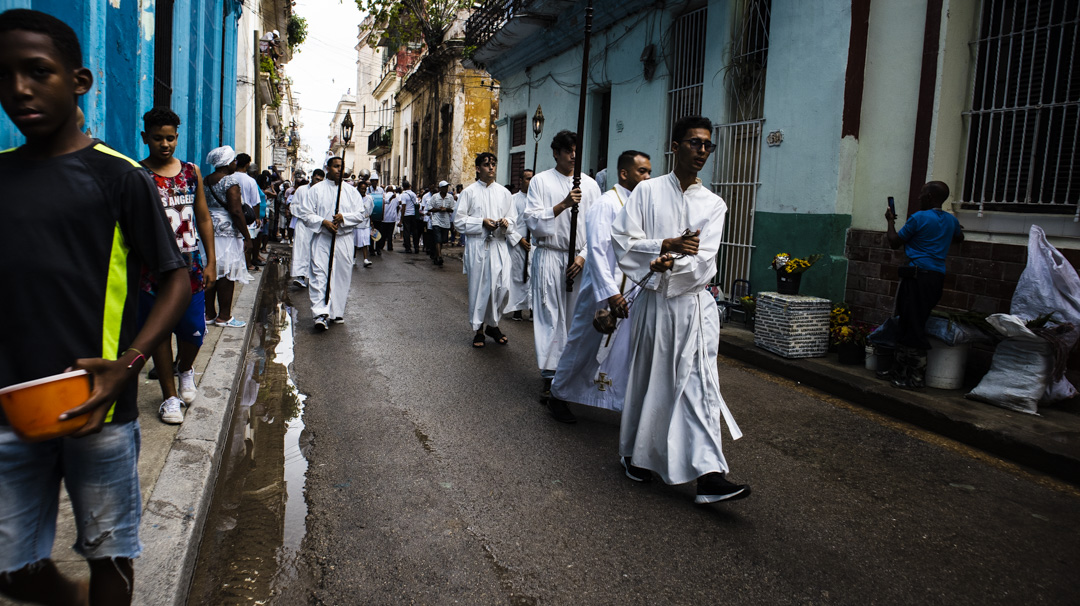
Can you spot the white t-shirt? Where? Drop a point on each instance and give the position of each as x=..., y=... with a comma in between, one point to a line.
x=444, y=219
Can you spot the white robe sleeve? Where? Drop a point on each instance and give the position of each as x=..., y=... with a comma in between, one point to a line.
x=463, y=219
x=694, y=272
x=308, y=211
x=513, y=235
x=538, y=216
x=599, y=219
x=508, y=214
x=634, y=250
x=352, y=207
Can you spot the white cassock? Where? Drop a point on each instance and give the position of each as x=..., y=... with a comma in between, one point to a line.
x=301, y=248
x=594, y=366
x=362, y=231
x=520, y=294
x=552, y=306
x=487, y=259
x=318, y=204
x=673, y=411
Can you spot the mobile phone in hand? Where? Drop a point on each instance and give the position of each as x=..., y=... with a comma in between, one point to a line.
x=892, y=205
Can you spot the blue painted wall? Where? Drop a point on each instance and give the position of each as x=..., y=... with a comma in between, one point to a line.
x=118, y=46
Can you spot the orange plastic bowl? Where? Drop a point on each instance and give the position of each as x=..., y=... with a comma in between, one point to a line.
x=33, y=408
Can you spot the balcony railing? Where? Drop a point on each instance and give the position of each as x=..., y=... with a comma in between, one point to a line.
x=378, y=142
x=488, y=19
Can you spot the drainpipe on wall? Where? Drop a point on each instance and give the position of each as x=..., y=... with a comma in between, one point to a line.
x=257, y=152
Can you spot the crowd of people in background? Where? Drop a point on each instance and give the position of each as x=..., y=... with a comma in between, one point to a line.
x=160, y=248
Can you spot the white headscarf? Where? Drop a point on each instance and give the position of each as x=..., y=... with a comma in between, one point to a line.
x=221, y=156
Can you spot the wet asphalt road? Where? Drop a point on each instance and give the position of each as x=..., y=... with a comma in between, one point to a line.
x=435, y=477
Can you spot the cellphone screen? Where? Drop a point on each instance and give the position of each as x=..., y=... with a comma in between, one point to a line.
x=892, y=204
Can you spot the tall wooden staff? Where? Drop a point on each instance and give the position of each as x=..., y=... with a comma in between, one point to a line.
x=346, y=134
x=580, y=140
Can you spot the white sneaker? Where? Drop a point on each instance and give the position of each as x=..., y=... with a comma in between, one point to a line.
x=188, y=391
x=170, y=411
x=300, y=282
x=367, y=263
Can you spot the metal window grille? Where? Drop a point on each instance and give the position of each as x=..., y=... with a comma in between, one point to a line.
x=737, y=159
x=687, y=69
x=737, y=163
x=1024, y=120
x=744, y=74
x=163, y=48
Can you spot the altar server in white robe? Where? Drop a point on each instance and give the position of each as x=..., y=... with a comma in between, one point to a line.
x=547, y=213
x=301, y=249
x=317, y=211
x=485, y=214
x=594, y=367
x=673, y=412
x=362, y=232
x=518, y=239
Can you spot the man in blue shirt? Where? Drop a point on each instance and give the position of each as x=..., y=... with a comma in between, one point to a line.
x=926, y=237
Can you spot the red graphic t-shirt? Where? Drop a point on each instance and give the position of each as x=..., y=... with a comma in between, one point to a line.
x=178, y=197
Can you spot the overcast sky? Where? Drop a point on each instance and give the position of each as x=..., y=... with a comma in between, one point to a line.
x=325, y=67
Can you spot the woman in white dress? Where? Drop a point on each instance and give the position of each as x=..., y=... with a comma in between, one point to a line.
x=231, y=237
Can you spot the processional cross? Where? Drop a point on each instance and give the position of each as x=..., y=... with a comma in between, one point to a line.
x=603, y=382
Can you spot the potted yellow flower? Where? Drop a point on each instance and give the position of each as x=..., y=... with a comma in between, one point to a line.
x=789, y=271
x=850, y=342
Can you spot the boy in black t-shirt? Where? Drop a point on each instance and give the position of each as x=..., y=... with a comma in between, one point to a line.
x=82, y=219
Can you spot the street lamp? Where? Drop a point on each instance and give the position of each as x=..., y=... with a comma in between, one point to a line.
x=346, y=134
x=347, y=127
x=538, y=129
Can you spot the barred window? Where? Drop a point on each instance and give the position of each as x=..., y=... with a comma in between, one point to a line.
x=1025, y=108
x=687, y=68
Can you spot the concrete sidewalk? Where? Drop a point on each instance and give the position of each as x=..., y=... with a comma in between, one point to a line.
x=177, y=466
x=1049, y=443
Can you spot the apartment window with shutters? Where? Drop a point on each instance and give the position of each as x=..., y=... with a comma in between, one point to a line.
x=518, y=126
x=1024, y=120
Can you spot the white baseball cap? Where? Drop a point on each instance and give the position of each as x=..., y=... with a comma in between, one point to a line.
x=374, y=176
x=443, y=184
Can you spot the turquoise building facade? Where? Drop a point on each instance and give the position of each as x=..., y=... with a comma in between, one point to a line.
x=118, y=39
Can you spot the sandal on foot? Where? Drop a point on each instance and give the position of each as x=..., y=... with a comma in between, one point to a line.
x=478, y=340
x=495, y=333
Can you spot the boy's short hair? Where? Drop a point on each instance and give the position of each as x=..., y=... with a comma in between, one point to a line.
x=564, y=140
x=160, y=116
x=318, y=172
x=686, y=123
x=63, y=37
x=242, y=159
x=482, y=157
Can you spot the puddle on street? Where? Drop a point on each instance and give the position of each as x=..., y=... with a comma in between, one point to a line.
x=256, y=521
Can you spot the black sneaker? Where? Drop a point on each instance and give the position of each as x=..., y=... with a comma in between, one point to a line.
x=321, y=323
x=560, y=411
x=637, y=474
x=545, y=392
x=516, y=317
x=714, y=487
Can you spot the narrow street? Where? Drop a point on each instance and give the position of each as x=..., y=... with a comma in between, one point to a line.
x=435, y=477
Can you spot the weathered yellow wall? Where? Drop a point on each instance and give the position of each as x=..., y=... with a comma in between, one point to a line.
x=481, y=112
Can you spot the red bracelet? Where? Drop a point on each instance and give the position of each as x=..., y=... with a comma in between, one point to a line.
x=136, y=358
